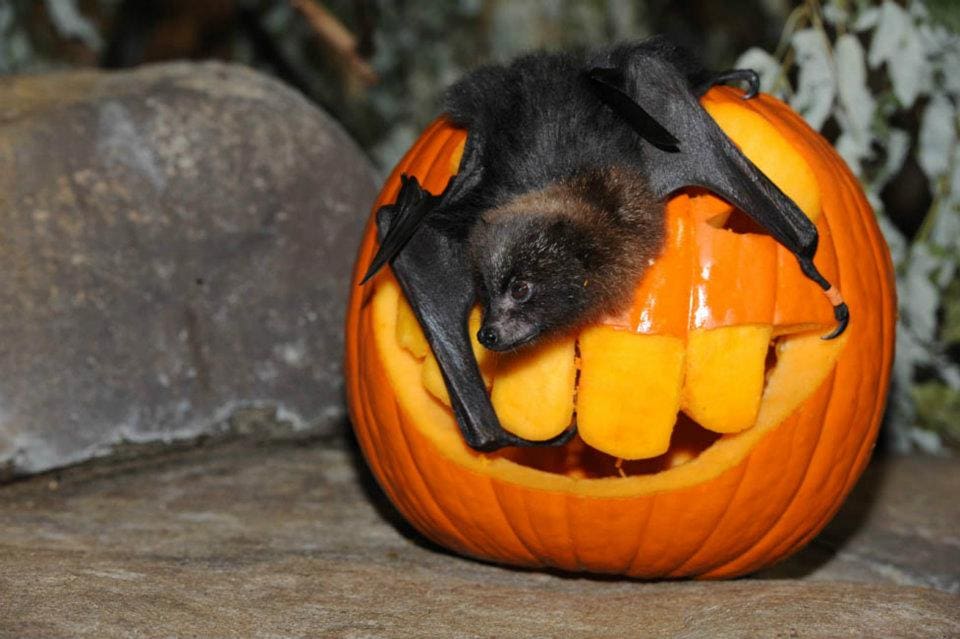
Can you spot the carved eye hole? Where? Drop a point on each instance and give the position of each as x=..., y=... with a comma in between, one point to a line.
x=520, y=290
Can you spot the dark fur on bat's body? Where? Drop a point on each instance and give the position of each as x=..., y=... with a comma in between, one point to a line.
x=567, y=163
x=562, y=204
x=579, y=244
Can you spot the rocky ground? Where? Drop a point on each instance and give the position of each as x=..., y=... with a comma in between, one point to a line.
x=295, y=540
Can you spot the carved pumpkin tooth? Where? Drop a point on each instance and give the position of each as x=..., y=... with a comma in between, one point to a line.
x=629, y=391
x=724, y=376
x=533, y=389
x=409, y=334
x=432, y=379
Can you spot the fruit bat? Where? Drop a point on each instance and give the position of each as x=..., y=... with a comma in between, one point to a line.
x=557, y=207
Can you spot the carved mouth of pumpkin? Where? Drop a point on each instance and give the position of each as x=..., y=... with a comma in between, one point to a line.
x=635, y=434
x=577, y=459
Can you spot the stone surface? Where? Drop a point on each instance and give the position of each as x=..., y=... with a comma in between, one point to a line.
x=174, y=246
x=295, y=541
x=900, y=524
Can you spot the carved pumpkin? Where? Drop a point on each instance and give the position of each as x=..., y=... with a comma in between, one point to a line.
x=718, y=432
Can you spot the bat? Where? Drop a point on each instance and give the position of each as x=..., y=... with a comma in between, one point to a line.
x=558, y=204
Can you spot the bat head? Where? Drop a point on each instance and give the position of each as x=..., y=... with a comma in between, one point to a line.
x=531, y=272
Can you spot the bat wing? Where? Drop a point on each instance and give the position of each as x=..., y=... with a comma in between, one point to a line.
x=703, y=155
x=433, y=273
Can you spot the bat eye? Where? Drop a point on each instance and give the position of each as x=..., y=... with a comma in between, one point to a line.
x=520, y=291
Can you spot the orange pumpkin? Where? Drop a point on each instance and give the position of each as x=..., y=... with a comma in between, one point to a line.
x=718, y=432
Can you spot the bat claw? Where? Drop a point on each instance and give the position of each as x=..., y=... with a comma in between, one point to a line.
x=840, y=310
x=738, y=75
x=842, y=315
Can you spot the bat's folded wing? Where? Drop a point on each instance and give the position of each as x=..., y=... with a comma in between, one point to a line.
x=432, y=271
x=703, y=155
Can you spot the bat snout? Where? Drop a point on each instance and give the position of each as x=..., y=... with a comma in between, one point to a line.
x=489, y=337
x=506, y=335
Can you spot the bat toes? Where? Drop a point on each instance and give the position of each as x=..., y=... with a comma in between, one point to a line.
x=487, y=444
x=748, y=76
x=842, y=315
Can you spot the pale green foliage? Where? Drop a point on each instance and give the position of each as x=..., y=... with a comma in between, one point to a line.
x=858, y=65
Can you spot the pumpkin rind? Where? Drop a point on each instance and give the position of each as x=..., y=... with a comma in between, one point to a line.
x=771, y=496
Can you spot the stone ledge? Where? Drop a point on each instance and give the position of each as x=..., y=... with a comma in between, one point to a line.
x=289, y=541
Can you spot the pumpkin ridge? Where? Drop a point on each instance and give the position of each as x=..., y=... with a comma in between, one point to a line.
x=744, y=558
x=578, y=564
x=805, y=475
x=438, y=174
x=633, y=567
x=498, y=496
x=405, y=502
x=472, y=540
x=680, y=569
x=733, y=556
x=826, y=511
x=506, y=523
x=853, y=472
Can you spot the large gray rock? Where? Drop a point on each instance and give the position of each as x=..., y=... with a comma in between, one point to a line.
x=175, y=244
x=292, y=541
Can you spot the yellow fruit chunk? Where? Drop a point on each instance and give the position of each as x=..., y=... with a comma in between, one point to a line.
x=771, y=152
x=533, y=389
x=724, y=376
x=409, y=334
x=629, y=392
x=432, y=378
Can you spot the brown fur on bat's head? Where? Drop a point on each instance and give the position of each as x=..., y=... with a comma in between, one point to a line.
x=563, y=256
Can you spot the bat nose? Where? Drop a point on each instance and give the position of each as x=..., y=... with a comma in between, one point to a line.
x=488, y=336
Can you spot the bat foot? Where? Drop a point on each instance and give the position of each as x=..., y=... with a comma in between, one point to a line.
x=490, y=443
x=842, y=315
x=840, y=310
x=737, y=75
